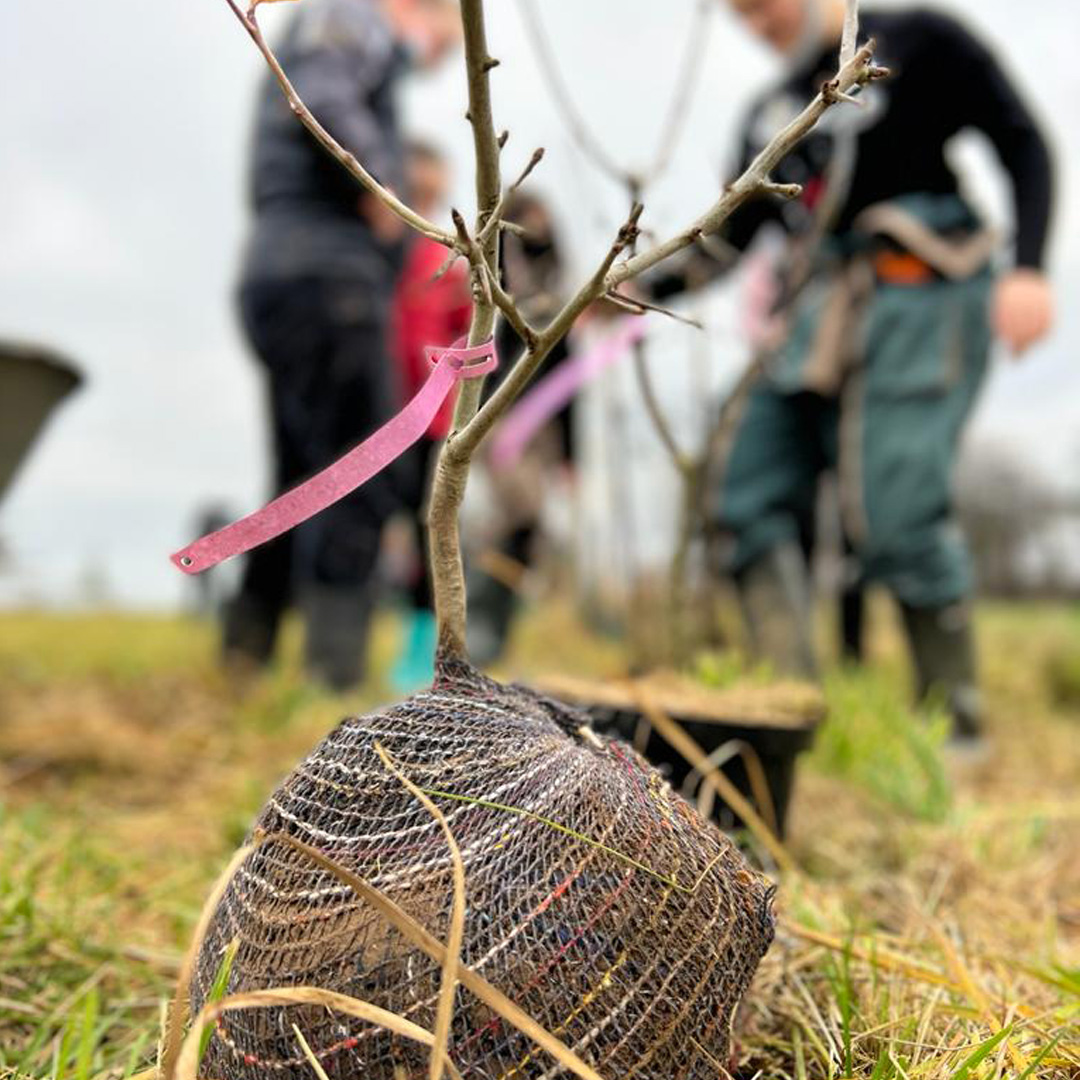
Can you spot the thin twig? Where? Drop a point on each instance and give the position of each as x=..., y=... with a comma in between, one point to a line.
x=675, y=121
x=635, y=183
x=654, y=409
x=639, y=307
x=856, y=72
x=488, y=283
x=785, y=191
x=589, y=145
x=466, y=441
x=329, y=143
x=510, y=310
x=446, y=265
x=587, y=141
x=495, y=221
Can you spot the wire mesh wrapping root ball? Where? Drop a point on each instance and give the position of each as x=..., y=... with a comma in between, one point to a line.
x=597, y=900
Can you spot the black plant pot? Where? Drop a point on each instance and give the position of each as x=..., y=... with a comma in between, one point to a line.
x=776, y=723
x=33, y=381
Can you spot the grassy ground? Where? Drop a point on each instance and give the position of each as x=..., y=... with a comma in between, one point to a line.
x=932, y=930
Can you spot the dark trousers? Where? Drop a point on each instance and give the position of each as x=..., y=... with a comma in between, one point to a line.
x=892, y=435
x=322, y=344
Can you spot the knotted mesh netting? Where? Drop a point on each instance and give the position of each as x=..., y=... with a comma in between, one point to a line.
x=597, y=899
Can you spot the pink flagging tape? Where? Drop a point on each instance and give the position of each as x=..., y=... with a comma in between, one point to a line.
x=350, y=471
x=559, y=387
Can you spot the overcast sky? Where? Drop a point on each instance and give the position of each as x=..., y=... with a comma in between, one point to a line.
x=122, y=147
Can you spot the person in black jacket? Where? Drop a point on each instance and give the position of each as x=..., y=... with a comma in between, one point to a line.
x=882, y=343
x=317, y=278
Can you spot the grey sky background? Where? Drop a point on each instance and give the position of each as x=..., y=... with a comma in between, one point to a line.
x=122, y=146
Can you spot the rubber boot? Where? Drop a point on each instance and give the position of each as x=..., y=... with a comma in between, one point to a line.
x=943, y=652
x=776, y=603
x=336, y=622
x=852, y=614
x=415, y=665
x=248, y=635
x=852, y=621
x=491, y=611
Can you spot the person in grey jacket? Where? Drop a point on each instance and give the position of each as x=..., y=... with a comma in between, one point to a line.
x=314, y=296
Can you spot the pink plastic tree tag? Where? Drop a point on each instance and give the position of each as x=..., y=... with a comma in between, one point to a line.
x=350, y=471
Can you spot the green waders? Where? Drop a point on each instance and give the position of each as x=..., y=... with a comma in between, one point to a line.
x=875, y=381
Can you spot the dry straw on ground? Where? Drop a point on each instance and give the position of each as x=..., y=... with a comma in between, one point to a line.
x=899, y=890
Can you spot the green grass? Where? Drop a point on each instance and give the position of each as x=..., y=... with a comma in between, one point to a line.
x=933, y=930
x=875, y=740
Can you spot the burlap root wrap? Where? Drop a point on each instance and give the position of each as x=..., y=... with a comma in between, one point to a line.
x=636, y=957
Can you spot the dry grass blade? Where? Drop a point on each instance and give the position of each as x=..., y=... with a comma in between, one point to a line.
x=976, y=995
x=320, y=1072
x=187, y=1065
x=444, y=1014
x=887, y=960
x=755, y=773
x=674, y=735
x=409, y=928
x=878, y=957
x=179, y=1007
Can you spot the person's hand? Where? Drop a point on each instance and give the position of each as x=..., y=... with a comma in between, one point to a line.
x=385, y=225
x=1022, y=311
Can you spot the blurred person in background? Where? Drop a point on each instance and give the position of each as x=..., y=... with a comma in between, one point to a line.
x=315, y=291
x=880, y=355
x=427, y=310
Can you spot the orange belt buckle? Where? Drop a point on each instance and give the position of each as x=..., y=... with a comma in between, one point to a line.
x=902, y=268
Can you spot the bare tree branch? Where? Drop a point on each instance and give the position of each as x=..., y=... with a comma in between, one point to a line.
x=784, y=191
x=495, y=221
x=451, y=473
x=446, y=264
x=652, y=405
x=579, y=130
x=637, y=306
x=486, y=281
x=587, y=141
x=610, y=274
x=472, y=422
x=849, y=39
x=328, y=142
x=510, y=311
x=856, y=72
x=690, y=66
x=465, y=442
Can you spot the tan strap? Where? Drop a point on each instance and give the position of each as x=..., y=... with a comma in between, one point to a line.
x=953, y=259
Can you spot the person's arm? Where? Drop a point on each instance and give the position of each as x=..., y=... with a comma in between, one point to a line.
x=986, y=99
x=338, y=56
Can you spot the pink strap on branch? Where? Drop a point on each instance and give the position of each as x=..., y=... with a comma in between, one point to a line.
x=347, y=473
x=559, y=388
